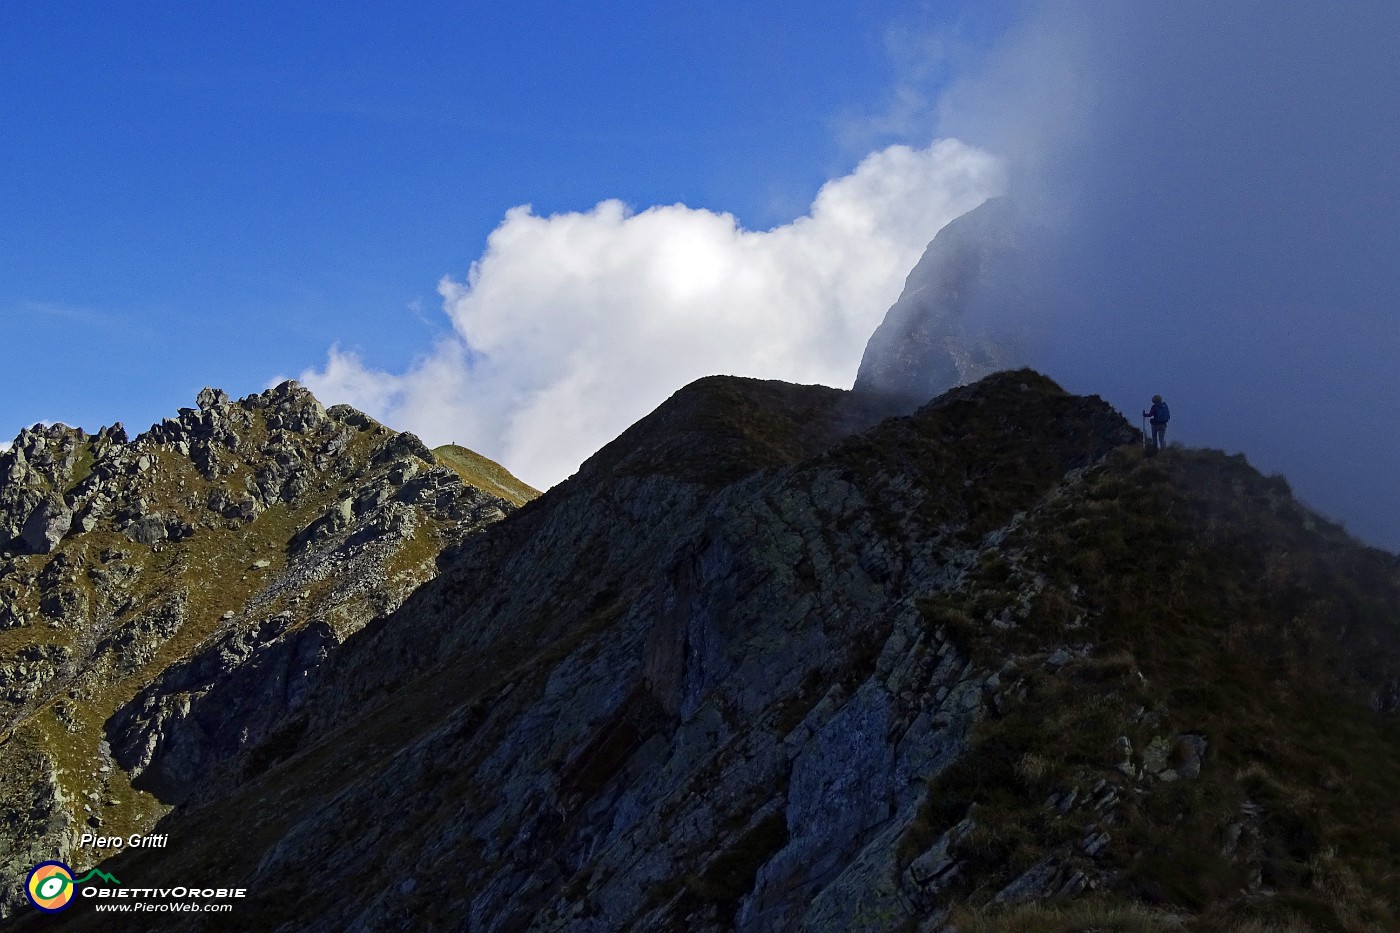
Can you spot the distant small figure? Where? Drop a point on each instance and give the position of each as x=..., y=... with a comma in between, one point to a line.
x=1159, y=414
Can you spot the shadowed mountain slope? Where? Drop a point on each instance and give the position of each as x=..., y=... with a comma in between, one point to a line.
x=762, y=664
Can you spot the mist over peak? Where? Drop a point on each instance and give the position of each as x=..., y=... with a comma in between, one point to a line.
x=1219, y=182
x=968, y=308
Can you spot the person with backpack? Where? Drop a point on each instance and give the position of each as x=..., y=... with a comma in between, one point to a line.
x=1160, y=414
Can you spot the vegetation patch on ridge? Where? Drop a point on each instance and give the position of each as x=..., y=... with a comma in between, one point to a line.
x=1194, y=596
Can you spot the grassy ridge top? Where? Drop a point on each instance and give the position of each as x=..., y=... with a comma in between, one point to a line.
x=485, y=474
x=719, y=429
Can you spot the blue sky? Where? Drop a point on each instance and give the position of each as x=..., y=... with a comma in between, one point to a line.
x=521, y=229
x=215, y=193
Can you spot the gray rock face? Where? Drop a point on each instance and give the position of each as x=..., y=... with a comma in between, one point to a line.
x=47, y=526
x=840, y=788
x=209, y=708
x=961, y=311
x=40, y=827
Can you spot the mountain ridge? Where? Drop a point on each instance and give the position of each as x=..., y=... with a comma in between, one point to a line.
x=201, y=571
x=773, y=661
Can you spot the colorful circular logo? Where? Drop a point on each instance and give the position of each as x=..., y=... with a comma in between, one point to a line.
x=50, y=886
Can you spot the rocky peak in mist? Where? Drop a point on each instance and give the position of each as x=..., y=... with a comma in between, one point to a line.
x=768, y=662
x=953, y=323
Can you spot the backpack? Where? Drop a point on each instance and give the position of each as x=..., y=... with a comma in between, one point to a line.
x=1164, y=414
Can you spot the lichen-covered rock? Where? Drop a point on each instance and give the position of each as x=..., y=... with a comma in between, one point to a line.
x=148, y=530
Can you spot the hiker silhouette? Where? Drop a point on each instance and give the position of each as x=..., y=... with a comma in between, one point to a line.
x=1159, y=415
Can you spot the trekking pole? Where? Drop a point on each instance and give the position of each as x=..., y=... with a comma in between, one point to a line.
x=1144, y=434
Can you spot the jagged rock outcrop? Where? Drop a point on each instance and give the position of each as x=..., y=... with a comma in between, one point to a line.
x=34, y=472
x=164, y=599
x=764, y=663
x=964, y=311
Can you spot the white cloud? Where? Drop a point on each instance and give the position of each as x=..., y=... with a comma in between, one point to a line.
x=571, y=327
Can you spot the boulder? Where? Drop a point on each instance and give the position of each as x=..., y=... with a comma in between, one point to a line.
x=149, y=530
x=46, y=526
x=211, y=398
x=1189, y=751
